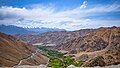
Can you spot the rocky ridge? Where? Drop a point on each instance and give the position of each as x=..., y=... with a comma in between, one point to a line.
x=99, y=48
x=94, y=41
x=56, y=38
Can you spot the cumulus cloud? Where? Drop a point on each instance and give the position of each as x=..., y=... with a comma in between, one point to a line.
x=41, y=16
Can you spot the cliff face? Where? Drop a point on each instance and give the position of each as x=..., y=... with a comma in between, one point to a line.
x=13, y=52
x=94, y=41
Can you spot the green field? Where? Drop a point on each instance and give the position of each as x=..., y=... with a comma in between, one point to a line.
x=57, y=59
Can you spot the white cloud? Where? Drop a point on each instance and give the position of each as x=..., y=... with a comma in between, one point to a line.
x=84, y=5
x=104, y=9
x=41, y=16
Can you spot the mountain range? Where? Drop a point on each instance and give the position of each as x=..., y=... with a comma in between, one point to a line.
x=44, y=29
x=12, y=30
x=56, y=38
x=97, y=47
x=96, y=40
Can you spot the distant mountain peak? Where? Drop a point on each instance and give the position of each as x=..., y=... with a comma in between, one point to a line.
x=11, y=29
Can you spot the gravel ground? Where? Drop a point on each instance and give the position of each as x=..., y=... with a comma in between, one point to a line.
x=112, y=66
x=71, y=66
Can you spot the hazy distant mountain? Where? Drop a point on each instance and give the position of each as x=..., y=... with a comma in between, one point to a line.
x=10, y=29
x=43, y=29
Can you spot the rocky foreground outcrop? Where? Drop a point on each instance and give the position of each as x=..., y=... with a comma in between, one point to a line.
x=71, y=66
x=13, y=52
x=111, y=66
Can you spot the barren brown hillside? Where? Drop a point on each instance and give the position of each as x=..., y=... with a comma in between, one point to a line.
x=54, y=37
x=99, y=48
x=94, y=41
x=13, y=52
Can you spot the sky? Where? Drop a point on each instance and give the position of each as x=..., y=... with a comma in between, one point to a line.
x=64, y=14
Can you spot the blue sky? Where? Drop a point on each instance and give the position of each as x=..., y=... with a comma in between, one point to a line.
x=64, y=14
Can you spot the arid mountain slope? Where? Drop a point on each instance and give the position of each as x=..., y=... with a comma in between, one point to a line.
x=13, y=52
x=94, y=41
x=108, y=56
x=54, y=37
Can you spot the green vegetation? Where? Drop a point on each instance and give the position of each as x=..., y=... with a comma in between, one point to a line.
x=67, y=60
x=57, y=59
x=50, y=53
x=55, y=63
